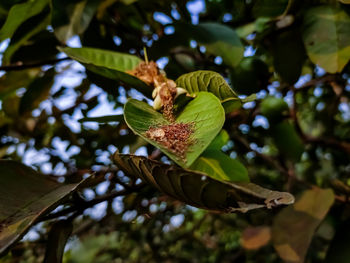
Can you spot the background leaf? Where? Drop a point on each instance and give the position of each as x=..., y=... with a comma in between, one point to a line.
x=20, y=13
x=24, y=197
x=327, y=36
x=77, y=16
x=58, y=237
x=37, y=91
x=295, y=225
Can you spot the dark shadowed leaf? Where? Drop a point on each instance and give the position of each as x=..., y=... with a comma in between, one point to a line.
x=339, y=250
x=288, y=64
x=58, y=237
x=327, y=37
x=205, y=112
x=204, y=80
x=294, y=226
x=25, y=195
x=199, y=189
x=20, y=13
x=24, y=34
x=14, y=80
x=287, y=140
x=71, y=18
x=219, y=40
x=37, y=91
x=269, y=8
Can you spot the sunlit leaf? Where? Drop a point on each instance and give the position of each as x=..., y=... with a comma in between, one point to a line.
x=25, y=195
x=204, y=80
x=200, y=189
x=205, y=112
x=327, y=37
x=221, y=166
x=294, y=226
x=110, y=64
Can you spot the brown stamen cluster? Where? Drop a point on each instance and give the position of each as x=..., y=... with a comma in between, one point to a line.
x=175, y=137
x=167, y=94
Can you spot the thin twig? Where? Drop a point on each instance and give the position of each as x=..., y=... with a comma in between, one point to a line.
x=316, y=81
x=265, y=157
x=20, y=66
x=87, y=204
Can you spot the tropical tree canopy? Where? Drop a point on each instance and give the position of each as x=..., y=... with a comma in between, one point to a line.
x=174, y=131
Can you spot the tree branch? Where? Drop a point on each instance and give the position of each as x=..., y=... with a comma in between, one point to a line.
x=20, y=65
x=87, y=204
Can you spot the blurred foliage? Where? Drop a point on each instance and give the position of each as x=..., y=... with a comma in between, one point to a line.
x=295, y=137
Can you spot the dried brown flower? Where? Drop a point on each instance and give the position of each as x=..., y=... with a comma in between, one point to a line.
x=165, y=89
x=175, y=137
x=148, y=73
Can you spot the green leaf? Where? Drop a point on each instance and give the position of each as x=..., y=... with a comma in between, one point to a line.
x=199, y=189
x=250, y=76
x=274, y=109
x=25, y=33
x=205, y=111
x=103, y=119
x=217, y=164
x=110, y=64
x=282, y=44
x=338, y=250
x=294, y=226
x=219, y=141
x=345, y=1
x=269, y=8
x=78, y=16
x=13, y=80
x=205, y=80
x=58, y=237
x=287, y=140
x=326, y=37
x=218, y=39
x=222, y=41
x=25, y=195
x=37, y=91
x=20, y=13
x=220, y=166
